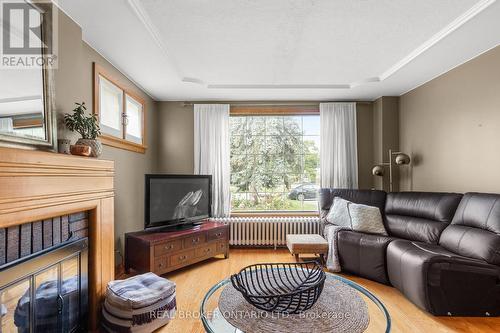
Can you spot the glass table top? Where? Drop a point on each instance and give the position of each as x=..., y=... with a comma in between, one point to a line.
x=214, y=321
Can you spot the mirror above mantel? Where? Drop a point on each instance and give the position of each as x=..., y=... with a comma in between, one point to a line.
x=27, y=92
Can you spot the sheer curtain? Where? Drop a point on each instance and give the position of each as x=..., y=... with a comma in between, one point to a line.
x=211, y=152
x=339, y=148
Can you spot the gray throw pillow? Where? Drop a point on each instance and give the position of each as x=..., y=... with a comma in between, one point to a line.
x=339, y=213
x=366, y=219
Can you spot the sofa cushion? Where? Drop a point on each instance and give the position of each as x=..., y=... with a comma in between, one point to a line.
x=363, y=254
x=366, y=197
x=339, y=213
x=441, y=281
x=366, y=219
x=419, y=216
x=475, y=229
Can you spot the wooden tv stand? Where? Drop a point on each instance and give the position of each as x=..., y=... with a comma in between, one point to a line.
x=165, y=251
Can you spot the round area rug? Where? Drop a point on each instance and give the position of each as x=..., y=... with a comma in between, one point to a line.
x=339, y=309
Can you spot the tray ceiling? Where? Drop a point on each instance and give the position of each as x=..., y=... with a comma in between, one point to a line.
x=285, y=49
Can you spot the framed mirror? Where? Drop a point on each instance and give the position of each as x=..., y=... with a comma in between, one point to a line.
x=27, y=98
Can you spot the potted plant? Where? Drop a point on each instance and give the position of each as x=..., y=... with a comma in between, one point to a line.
x=87, y=126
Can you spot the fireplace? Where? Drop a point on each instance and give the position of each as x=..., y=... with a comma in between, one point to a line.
x=38, y=186
x=46, y=291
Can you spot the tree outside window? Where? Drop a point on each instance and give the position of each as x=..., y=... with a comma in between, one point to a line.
x=274, y=163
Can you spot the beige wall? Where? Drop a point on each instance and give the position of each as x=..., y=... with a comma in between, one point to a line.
x=74, y=84
x=175, y=138
x=385, y=137
x=451, y=126
x=176, y=145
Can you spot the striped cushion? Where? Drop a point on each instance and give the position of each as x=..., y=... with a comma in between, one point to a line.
x=143, y=315
x=141, y=303
x=139, y=291
x=114, y=324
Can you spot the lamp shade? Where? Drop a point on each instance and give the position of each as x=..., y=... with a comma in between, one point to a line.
x=402, y=159
x=378, y=170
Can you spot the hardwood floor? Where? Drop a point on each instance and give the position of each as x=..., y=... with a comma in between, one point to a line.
x=193, y=282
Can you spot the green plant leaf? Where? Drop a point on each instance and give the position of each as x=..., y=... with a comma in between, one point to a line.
x=86, y=126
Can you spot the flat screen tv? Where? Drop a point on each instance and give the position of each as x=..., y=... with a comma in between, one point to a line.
x=176, y=200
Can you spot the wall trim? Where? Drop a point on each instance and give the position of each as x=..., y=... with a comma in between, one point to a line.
x=436, y=38
x=433, y=40
x=142, y=15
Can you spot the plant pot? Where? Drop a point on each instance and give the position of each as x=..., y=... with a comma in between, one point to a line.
x=96, y=146
x=80, y=150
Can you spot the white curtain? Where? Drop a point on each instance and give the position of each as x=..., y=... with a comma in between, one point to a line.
x=339, y=148
x=211, y=152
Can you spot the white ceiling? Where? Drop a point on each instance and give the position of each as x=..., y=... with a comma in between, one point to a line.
x=285, y=49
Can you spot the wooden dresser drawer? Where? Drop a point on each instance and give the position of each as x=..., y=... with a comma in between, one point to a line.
x=194, y=240
x=217, y=234
x=181, y=258
x=167, y=247
x=166, y=251
x=221, y=247
x=207, y=250
x=160, y=264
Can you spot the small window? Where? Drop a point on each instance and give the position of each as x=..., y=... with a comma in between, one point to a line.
x=121, y=113
x=133, y=123
x=111, y=108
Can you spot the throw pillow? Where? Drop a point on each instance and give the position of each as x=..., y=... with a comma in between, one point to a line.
x=366, y=219
x=339, y=213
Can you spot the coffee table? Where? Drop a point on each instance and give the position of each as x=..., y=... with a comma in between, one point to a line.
x=214, y=322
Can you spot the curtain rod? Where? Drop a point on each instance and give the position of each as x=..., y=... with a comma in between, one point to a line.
x=266, y=104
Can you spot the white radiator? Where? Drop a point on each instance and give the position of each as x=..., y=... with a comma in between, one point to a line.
x=267, y=231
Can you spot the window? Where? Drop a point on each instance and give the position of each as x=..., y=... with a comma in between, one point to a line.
x=133, y=122
x=111, y=108
x=274, y=163
x=121, y=113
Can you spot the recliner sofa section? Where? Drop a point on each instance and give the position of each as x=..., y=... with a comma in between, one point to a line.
x=359, y=253
x=442, y=251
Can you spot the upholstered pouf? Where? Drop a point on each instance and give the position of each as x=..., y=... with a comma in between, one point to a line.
x=307, y=243
x=142, y=303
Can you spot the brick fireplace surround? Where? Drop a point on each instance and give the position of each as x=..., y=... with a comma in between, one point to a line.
x=36, y=186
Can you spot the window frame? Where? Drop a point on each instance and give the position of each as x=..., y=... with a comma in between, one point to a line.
x=266, y=110
x=109, y=139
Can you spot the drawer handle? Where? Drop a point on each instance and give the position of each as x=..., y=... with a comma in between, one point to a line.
x=207, y=250
x=196, y=240
x=160, y=265
x=219, y=234
x=170, y=247
x=182, y=258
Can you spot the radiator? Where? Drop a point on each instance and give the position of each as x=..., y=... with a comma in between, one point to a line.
x=267, y=231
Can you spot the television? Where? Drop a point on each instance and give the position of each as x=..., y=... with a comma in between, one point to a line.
x=176, y=200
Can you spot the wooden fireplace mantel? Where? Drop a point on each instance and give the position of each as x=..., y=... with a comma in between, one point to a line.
x=37, y=185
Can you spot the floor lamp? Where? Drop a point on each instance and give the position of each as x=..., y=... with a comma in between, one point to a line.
x=395, y=158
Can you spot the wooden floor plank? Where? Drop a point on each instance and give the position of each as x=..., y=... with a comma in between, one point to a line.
x=194, y=281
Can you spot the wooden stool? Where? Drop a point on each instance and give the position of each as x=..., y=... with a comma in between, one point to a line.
x=307, y=243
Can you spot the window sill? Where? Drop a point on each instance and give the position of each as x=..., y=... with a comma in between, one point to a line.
x=273, y=214
x=112, y=141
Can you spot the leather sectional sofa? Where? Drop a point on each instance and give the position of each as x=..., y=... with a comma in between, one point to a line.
x=442, y=251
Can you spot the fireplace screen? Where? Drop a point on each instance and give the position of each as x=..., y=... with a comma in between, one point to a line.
x=46, y=292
